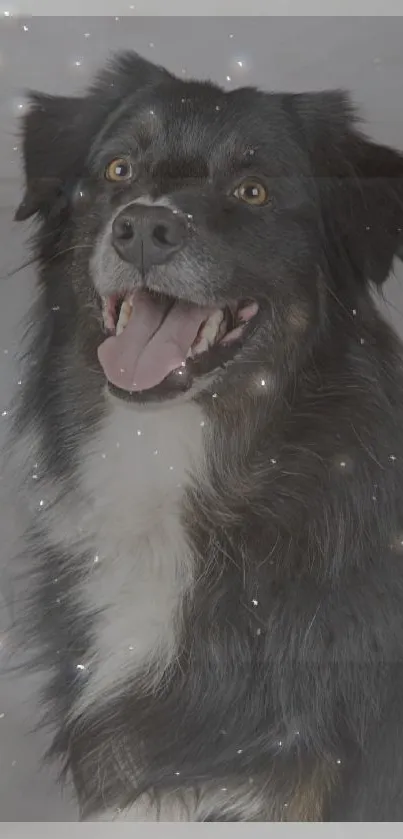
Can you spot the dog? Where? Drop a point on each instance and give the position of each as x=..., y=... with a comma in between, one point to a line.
x=212, y=413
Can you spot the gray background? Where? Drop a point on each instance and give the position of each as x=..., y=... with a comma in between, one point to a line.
x=58, y=54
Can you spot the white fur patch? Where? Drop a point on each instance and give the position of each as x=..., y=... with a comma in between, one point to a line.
x=233, y=799
x=172, y=808
x=128, y=516
x=134, y=477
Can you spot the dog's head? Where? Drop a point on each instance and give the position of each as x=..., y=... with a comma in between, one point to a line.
x=210, y=232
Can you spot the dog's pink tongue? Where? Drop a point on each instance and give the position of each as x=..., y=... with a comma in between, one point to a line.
x=154, y=342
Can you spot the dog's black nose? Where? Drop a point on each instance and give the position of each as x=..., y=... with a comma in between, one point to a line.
x=147, y=236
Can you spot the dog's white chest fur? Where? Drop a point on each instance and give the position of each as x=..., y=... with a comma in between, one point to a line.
x=134, y=475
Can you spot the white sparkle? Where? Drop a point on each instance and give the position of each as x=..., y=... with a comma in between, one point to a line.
x=255, y=602
x=354, y=312
x=25, y=28
x=240, y=63
x=171, y=469
x=273, y=461
x=228, y=78
x=55, y=308
x=215, y=395
x=231, y=36
x=41, y=503
x=177, y=773
x=7, y=14
x=343, y=464
x=202, y=424
x=80, y=667
x=138, y=433
x=87, y=34
x=362, y=341
x=280, y=742
x=152, y=113
x=2, y=716
x=4, y=413
x=224, y=789
x=155, y=451
x=96, y=559
x=239, y=752
x=338, y=761
x=78, y=63
x=217, y=107
x=392, y=457
x=131, y=648
x=258, y=632
x=263, y=382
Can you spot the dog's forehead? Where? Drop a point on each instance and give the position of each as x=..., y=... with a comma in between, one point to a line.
x=201, y=121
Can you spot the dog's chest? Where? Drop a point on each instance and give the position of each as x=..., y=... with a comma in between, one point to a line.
x=134, y=476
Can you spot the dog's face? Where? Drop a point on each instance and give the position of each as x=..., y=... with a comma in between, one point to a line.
x=208, y=231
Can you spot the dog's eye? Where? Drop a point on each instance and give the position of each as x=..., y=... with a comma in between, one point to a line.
x=119, y=169
x=252, y=192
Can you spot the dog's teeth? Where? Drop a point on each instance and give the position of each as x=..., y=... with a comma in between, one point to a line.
x=211, y=327
x=107, y=314
x=222, y=329
x=208, y=335
x=124, y=316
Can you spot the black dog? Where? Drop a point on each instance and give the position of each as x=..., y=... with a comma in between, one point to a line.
x=214, y=408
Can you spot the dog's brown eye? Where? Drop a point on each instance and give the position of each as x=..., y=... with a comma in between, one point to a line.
x=252, y=192
x=119, y=170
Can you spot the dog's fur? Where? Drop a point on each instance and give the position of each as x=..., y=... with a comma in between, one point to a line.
x=218, y=590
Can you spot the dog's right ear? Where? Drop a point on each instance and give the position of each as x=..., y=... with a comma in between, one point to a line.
x=57, y=131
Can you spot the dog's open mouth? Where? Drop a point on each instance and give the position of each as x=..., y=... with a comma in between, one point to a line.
x=152, y=335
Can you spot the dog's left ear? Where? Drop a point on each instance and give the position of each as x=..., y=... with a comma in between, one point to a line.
x=360, y=183
x=55, y=135
x=57, y=131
